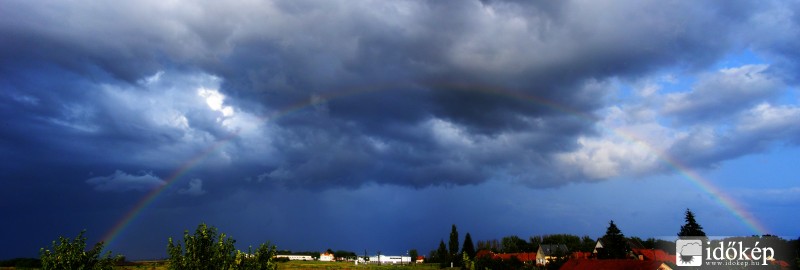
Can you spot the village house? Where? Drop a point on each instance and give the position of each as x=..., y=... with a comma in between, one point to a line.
x=383, y=259
x=547, y=253
x=296, y=257
x=326, y=257
x=578, y=264
x=420, y=259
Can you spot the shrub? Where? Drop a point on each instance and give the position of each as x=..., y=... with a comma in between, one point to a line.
x=72, y=254
x=207, y=249
x=261, y=259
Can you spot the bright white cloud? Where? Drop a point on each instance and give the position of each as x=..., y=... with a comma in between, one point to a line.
x=724, y=93
x=630, y=144
x=769, y=119
x=639, y=133
x=215, y=100
x=449, y=134
x=120, y=181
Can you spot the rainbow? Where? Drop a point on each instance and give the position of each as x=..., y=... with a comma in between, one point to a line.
x=702, y=183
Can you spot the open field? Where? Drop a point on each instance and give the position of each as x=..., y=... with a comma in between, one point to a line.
x=293, y=265
x=298, y=265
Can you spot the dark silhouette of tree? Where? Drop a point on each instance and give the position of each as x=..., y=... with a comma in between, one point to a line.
x=691, y=228
x=615, y=246
x=514, y=244
x=453, y=255
x=413, y=254
x=468, y=248
x=587, y=244
x=442, y=254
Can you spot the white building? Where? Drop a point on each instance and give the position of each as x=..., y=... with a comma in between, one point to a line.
x=383, y=259
x=326, y=257
x=296, y=257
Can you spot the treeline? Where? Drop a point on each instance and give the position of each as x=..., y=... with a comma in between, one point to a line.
x=515, y=244
x=615, y=245
x=205, y=249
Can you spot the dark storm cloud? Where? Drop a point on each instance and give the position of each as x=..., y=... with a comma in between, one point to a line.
x=435, y=108
x=250, y=97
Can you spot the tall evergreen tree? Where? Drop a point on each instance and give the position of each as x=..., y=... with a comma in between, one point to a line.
x=691, y=228
x=615, y=246
x=442, y=254
x=468, y=248
x=453, y=255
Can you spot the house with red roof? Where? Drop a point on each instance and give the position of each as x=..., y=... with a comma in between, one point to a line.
x=547, y=253
x=525, y=257
x=653, y=255
x=581, y=255
x=579, y=264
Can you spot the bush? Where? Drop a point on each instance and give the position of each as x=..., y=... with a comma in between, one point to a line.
x=72, y=254
x=207, y=249
x=261, y=259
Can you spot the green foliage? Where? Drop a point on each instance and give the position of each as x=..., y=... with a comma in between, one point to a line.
x=208, y=249
x=345, y=254
x=691, y=228
x=491, y=245
x=453, y=255
x=203, y=250
x=413, y=254
x=615, y=245
x=72, y=254
x=468, y=248
x=261, y=259
x=573, y=242
x=466, y=262
x=587, y=244
x=441, y=255
x=514, y=244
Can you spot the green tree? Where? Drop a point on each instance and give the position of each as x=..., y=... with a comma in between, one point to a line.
x=691, y=228
x=468, y=248
x=514, y=244
x=72, y=254
x=262, y=259
x=345, y=254
x=466, y=262
x=413, y=254
x=615, y=246
x=587, y=244
x=203, y=250
x=536, y=241
x=453, y=255
x=573, y=242
x=441, y=253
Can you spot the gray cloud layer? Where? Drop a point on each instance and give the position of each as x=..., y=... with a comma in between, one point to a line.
x=288, y=103
x=437, y=86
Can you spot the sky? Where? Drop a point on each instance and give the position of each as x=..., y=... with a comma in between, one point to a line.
x=376, y=125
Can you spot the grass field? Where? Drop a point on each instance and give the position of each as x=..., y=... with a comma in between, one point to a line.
x=292, y=265
x=300, y=265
